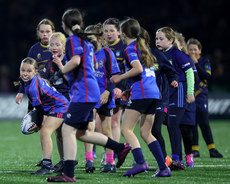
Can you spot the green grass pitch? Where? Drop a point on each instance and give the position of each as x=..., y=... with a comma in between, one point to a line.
x=19, y=153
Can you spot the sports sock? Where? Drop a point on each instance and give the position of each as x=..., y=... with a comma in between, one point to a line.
x=47, y=162
x=211, y=146
x=117, y=147
x=109, y=158
x=195, y=148
x=138, y=156
x=69, y=167
x=89, y=156
x=155, y=148
x=175, y=156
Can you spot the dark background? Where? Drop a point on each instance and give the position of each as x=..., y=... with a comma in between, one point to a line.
x=206, y=20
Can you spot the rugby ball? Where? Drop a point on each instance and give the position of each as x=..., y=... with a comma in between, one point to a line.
x=28, y=121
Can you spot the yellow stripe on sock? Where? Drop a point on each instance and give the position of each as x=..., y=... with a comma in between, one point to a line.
x=210, y=146
x=195, y=148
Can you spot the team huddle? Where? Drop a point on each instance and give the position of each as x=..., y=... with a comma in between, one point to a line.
x=85, y=86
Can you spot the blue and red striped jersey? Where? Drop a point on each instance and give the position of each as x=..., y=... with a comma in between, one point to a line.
x=82, y=81
x=107, y=66
x=143, y=85
x=39, y=92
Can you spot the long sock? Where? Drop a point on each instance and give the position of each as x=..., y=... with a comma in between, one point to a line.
x=138, y=156
x=195, y=148
x=113, y=145
x=175, y=156
x=109, y=158
x=47, y=162
x=211, y=146
x=89, y=156
x=155, y=148
x=69, y=167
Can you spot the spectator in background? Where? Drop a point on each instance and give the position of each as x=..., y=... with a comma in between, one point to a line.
x=201, y=93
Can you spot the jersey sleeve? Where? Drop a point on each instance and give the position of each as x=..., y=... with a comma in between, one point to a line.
x=131, y=55
x=111, y=68
x=182, y=60
x=112, y=64
x=74, y=47
x=34, y=93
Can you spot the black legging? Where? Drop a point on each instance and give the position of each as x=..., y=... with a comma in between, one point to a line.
x=160, y=117
x=186, y=132
x=202, y=120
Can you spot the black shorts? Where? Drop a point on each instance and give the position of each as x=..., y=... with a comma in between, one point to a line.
x=144, y=106
x=79, y=115
x=105, y=111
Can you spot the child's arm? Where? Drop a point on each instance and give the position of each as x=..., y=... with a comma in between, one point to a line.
x=190, y=85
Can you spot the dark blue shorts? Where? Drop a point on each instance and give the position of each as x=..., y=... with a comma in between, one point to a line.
x=79, y=115
x=104, y=111
x=144, y=106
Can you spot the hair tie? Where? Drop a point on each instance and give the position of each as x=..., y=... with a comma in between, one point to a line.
x=76, y=27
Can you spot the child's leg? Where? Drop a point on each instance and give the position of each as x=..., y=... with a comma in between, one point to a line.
x=116, y=119
x=59, y=142
x=150, y=140
x=88, y=146
x=48, y=127
x=130, y=120
x=107, y=130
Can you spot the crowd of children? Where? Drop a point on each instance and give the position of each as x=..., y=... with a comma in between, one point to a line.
x=105, y=75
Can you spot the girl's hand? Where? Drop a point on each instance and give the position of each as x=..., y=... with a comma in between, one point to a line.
x=190, y=98
x=34, y=128
x=117, y=93
x=57, y=61
x=115, y=79
x=194, y=59
x=125, y=95
x=104, y=97
x=174, y=84
x=19, y=98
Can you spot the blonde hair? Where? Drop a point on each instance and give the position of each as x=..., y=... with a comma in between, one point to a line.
x=181, y=40
x=169, y=33
x=60, y=36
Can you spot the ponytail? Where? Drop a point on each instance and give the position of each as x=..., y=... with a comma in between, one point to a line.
x=132, y=29
x=146, y=56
